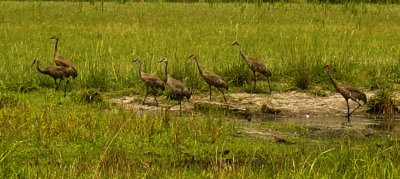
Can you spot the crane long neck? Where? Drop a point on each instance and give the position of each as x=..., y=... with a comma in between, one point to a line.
x=38, y=68
x=243, y=55
x=198, y=66
x=166, y=71
x=56, y=46
x=140, y=69
x=333, y=81
x=241, y=52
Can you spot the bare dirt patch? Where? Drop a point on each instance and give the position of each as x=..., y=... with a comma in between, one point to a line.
x=291, y=104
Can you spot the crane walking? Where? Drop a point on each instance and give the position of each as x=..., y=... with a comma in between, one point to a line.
x=179, y=90
x=149, y=80
x=56, y=72
x=211, y=78
x=347, y=92
x=255, y=65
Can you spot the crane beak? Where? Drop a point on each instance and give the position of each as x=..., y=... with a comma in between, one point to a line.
x=135, y=60
x=191, y=56
x=34, y=61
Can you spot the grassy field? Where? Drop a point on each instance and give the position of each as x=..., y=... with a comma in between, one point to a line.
x=43, y=134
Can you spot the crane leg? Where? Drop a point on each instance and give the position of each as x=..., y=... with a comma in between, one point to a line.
x=65, y=88
x=57, y=85
x=210, y=92
x=359, y=105
x=255, y=81
x=155, y=98
x=348, y=111
x=55, y=82
x=223, y=94
x=147, y=94
x=269, y=85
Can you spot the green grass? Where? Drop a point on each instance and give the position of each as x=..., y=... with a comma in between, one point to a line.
x=45, y=135
x=294, y=40
x=53, y=137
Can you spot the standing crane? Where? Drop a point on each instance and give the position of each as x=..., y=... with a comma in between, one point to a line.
x=211, y=78
x=179, y=90
x=347, y=92
x=56, y=72
x=61, y=61
x=149, y=80
x=255, y=65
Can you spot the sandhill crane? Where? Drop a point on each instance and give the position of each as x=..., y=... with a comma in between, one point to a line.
x=56, y=72
x=211, y=78
x=347, y=92
x=179, y=90
x=61, y=61
x=149, y=80
x=255, y=65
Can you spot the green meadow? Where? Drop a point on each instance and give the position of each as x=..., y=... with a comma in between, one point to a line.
x=46, y=135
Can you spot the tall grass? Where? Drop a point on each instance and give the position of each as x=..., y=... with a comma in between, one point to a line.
x=294, y=40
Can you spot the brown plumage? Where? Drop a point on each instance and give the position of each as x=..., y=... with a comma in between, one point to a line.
x=347, y=92
x=149, y=80
x=255, y=65
x=211, y=78
x=61, y=61
x=56, y=72
x=179, y=90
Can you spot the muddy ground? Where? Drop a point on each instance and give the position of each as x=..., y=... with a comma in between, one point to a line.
x=290, y=104
x=295, y=107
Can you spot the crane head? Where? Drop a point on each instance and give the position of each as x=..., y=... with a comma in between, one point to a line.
x=328, y=68
x=136, y=61
x=192, y=57
x=163, y=60
x=54, y=37
x=35, y=61
x=236, y=43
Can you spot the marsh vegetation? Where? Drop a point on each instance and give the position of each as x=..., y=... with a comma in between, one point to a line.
x=86, y=134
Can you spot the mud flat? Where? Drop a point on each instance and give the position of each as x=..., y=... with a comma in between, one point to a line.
x=288, y=104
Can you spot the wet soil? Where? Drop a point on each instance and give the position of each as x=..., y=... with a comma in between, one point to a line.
x=294, y=107
x=290, y=104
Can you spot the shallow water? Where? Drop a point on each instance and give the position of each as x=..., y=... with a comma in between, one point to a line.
x=356, y=123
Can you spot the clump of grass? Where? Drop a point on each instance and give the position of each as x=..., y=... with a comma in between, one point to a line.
x=302, y=77
x=23, y=87
x=238, y=75
x=7, y=100
x=98, y=79
x=319, y=92
x=383, y=103
x=91, y=96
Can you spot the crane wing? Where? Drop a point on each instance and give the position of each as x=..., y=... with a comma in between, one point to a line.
x=356, y=94
x=214, y=80
x=258, y=66
x=153, y=81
